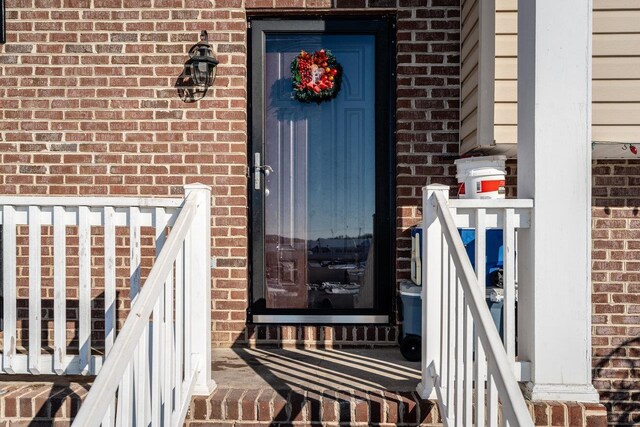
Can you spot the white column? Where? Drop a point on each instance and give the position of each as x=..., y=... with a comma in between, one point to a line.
x=431, y=287
x=554, y=169
x=199, y=266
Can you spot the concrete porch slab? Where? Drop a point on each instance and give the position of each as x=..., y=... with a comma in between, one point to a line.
x=315, y=369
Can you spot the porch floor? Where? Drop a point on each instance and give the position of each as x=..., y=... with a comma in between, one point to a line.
x=315, y=369
x=263, y=386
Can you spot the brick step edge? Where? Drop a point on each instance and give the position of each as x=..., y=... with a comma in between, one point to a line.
x=227, y=407
x=40, y=403
x=328, y=407
x=24, y=403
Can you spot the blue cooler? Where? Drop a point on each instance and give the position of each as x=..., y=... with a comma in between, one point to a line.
x=411, y=298
x=494, y=255
x=494, y=261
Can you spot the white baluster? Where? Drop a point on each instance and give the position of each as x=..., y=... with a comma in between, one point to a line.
x=169, y=349
x=451, y=380
x=179, y=327
x=492, y=398
x=480, y=375
x=186, y=359
x=109, y=278
x=509, y=276
x=59, y=290
x=158, y=350
x=109, y=415
x=124, y=414
x=134, y=290
x=134, y=252
x=459, y=351
x=445, y=332
x=143, y=390
x=109, y=292
x=468, y=366
x=35, y=292
x=9, y=287
x=84, y=272
x=481, y=364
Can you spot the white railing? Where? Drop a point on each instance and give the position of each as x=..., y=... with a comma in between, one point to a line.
x=471, y=371
x=162, y=354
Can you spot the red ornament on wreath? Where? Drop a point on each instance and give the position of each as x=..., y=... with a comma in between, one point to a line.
x=315, y=77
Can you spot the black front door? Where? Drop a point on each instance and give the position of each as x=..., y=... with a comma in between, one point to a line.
x=320, y=177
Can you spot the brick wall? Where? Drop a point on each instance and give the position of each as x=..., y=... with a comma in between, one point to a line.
x=88, y=107
x=616, y=285
x=616, y=288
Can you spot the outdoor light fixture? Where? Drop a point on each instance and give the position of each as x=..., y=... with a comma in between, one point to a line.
x=199, y=71
x=202, y=62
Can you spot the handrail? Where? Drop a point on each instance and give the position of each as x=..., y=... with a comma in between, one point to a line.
x=513, y=401
x=162, y=356
x=95, y=406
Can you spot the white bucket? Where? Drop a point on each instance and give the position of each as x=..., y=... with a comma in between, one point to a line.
x=481, y=177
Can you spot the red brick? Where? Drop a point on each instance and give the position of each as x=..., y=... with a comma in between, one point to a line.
x=313, y=405
x=558, y=417
x=280, y=410
x=297, y=401
x=329, y=407
x=216, y=403
x=408, y=408
x=248, y=405
x=264, y=405
x=199, y=411
x=575, y=415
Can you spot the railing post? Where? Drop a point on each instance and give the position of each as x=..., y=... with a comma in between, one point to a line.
x=431, y=287
x=199, y=300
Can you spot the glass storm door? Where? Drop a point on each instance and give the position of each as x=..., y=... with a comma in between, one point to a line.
x=314, y=186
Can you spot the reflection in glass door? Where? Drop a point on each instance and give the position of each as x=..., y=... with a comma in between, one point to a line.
x=316, y=173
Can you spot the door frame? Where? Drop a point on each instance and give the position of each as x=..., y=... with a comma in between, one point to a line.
x=383, y=27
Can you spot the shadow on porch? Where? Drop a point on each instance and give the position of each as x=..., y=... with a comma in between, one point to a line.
x=264, y=386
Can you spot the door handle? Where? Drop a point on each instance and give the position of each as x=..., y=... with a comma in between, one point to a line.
x=265, y=169
x=258, y=170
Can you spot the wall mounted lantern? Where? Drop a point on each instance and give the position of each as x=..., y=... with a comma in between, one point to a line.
x=199, y=71
x=202, y=62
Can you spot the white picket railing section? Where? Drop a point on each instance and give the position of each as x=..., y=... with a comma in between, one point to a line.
x=162, y=354
x=61, y=213
x=466, y=366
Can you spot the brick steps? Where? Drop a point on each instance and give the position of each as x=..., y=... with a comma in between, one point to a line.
x=230, y=407
x=36, y=404
x=268, y=407
x=40, y=403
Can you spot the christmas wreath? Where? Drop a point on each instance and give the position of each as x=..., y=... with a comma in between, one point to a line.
x=315, y=77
